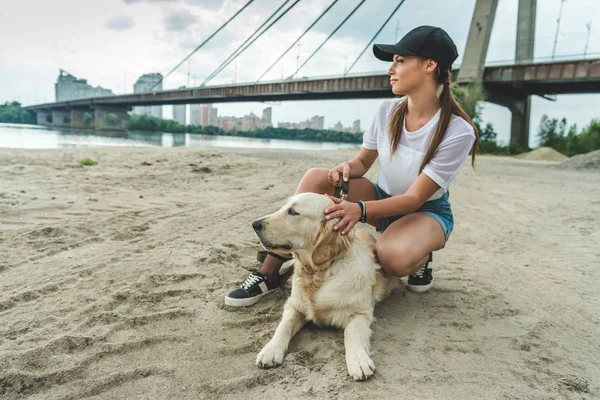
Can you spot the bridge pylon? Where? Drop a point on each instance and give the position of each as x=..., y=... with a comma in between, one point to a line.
x=472, y=67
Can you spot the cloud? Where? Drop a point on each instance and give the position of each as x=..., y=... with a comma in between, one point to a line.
x=179, y=20
x=212, y=5
x=148, y=1
x=119, y=23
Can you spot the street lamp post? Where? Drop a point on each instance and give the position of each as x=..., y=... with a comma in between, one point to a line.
x=587, y=39
x=557, y=27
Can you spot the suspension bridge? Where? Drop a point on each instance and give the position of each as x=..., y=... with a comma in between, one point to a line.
x=510, y=85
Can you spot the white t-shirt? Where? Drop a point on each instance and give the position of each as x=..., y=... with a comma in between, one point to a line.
x=397, y=174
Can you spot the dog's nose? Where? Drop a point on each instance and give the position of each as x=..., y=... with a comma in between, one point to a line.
x=257, y=225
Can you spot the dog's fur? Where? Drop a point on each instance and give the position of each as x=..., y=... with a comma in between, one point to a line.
x=337, y=280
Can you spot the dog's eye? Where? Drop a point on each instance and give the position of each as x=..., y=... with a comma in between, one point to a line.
x=292, y=212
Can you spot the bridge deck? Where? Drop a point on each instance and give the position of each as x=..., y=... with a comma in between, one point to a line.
x=581, y=76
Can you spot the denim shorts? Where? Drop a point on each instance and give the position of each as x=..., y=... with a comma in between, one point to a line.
x=439, y=209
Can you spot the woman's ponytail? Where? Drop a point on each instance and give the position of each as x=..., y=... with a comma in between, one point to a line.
x=448, y=106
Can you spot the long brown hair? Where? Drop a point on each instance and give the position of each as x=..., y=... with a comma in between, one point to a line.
x=448, y=104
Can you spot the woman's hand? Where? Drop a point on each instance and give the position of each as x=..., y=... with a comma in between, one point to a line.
x=350, y=213
x=334, y=174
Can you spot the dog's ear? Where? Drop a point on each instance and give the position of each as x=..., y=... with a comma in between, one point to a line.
x=329, y=244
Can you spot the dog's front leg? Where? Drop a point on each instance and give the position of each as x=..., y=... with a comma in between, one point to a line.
x=272, y=354
x=357, y=337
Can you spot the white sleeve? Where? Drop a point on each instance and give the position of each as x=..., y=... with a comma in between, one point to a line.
x=379, y=120
x=370, y=136
x=449, y=159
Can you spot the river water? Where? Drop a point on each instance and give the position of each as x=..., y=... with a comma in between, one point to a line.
x=40, y=137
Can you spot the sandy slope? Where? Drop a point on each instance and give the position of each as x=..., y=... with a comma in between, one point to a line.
x=112, y=280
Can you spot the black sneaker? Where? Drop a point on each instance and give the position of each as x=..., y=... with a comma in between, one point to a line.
x=422, y=280
x=256, y=286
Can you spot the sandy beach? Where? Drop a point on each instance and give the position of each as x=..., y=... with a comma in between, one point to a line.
x=112, y=280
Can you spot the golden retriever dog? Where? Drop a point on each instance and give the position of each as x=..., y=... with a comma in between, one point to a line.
x=337, y=280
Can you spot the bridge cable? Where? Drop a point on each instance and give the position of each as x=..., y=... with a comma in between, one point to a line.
x=328, y=37
x=297, y=40
x=266, y=29
x=373, y=39
x=234, y=54
x=203, y=43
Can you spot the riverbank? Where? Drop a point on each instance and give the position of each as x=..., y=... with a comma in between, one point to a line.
x=112, y=280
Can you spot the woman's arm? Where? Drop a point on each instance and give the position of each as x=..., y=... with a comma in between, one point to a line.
x=354, y=168
x=360, y=164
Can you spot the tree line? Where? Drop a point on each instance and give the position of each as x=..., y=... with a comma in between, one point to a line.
x=14, y=113
x=552, y=132
x=149, y=123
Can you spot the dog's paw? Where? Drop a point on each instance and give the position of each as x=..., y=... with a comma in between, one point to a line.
x=360, y=366
x=270, y=356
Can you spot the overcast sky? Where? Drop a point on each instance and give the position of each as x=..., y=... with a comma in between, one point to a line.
x=112, y=42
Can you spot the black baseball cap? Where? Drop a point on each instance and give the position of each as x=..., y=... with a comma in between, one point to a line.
x=424, y=41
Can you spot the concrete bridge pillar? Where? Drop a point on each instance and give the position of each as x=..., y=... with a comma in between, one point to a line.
x=519, y=132
x=110, y=118
x=519, y=124
x=44, y=118
x=519, y=108
x=82, y=118
x=61, y=118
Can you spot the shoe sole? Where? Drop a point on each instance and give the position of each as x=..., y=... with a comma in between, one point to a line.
x=420, y=288
x=284, y=273
x=230, y=301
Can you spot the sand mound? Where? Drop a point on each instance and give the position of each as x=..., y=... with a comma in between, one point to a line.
x=543, y=154
x=589, y=160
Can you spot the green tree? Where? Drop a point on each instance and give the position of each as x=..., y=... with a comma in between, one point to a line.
x=87, y=118
x=14, y=113
x=111, y=119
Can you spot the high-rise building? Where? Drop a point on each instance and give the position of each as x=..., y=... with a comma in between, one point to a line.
x=207, y=115
x=316, y=122
x=68, y=87
x=145, y=84
x=180, y=111
x=203, y=115
x=356, y=126
x=194, y=113
x=266, y=116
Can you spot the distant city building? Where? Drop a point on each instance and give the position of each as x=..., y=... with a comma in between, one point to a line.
x=207, y=115
x=266, y=115
x=354, y=129
x=68, y=87
x=316, y=122
x=203, y=115
x=338, y=127
x=194, y=112
x=180, y=111
x=230, y=123
x=144, y=84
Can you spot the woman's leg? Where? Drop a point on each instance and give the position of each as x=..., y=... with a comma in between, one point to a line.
x=315, y=181
x=405, y=245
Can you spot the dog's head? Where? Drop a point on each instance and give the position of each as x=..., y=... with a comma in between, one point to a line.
x=300, y=227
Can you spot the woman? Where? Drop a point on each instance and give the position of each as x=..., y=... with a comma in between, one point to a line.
x=422, y=140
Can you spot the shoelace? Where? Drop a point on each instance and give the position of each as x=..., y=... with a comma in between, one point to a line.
x=251, y=281
x=420, y=273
